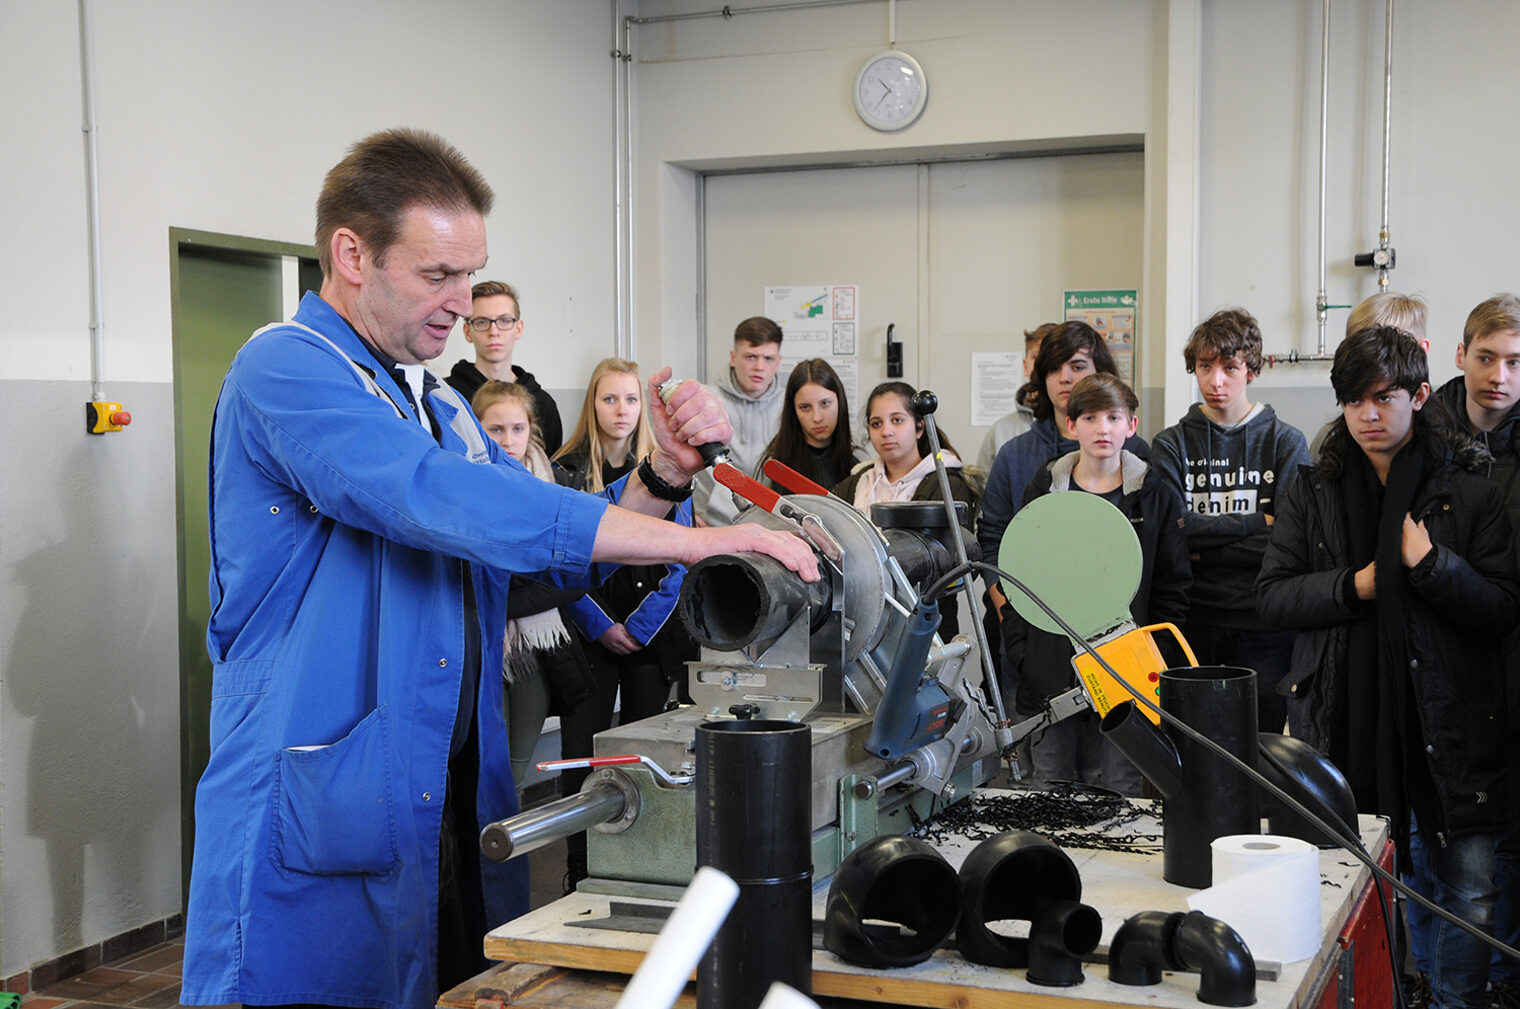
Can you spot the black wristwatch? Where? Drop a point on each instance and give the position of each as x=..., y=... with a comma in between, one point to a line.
x=659, y=488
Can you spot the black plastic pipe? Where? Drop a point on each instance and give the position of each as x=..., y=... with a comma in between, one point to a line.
x=891, y=903
x=730, y=601
x=1014, y=876
x=1204, y=797
x=1152, y=941
x=1309, y=776
x=1059, y=936
x=753, y=823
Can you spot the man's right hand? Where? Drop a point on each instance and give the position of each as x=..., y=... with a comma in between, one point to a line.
x=788, y=548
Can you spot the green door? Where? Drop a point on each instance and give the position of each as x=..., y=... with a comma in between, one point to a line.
x=223, y=288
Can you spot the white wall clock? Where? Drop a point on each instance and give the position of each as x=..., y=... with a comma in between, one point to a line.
x=890, y=90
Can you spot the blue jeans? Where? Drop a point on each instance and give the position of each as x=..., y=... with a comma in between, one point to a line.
x=1506, y=970
x=1267, y=652
x=1074, y=750
x=1459, y=877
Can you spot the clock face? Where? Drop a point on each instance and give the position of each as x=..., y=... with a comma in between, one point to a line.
x=890, y=90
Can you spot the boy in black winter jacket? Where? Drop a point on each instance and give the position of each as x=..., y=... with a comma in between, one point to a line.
x=1486, y=401
x=1101, y=416
x=1228, y=461
x=1394, y=564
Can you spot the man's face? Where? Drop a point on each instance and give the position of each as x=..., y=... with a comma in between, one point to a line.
x=1223, y=385
x=1102, y=433
x=1381, y=419
x=495, y=344
x=408, y=307
x=1058, y=382
x=1491, y=371
x=754, y=366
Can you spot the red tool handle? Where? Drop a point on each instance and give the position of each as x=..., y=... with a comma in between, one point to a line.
x=746, y=486
x=794, y=482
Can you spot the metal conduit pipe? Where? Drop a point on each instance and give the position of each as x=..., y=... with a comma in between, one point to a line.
x=1321, y=301
x=92, y=184
x=1383, y=233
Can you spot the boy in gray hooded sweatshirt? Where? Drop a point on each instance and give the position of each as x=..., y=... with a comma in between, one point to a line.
x=1228, y=459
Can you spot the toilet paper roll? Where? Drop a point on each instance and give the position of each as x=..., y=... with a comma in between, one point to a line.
x=1267, y=888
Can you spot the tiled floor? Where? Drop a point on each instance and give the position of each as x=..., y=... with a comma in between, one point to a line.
x=150, y=979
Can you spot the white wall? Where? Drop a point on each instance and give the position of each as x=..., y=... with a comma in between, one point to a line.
x=1452, y=211
x=773, y=89
x=220, y=117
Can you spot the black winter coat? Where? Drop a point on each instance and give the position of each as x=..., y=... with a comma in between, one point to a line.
x=1503, y=469
x=1461, y=599
x=1041, y=660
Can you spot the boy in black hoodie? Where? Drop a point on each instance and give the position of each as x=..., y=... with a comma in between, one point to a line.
x=1101, y=417
x=1485, y=399
x=1227, y=461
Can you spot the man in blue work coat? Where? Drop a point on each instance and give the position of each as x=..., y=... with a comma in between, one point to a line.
x=362, y=533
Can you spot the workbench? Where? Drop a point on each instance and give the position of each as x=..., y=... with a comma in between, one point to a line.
x=573, y=951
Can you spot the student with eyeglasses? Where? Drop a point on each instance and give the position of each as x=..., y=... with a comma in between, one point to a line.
x=493, y=328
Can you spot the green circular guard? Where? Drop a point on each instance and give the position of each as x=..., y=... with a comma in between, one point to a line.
x=1079, y=554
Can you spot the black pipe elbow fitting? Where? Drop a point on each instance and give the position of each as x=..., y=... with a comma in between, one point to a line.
x=1010, y=877
x=1308, y=776
x=1058, y=937
x=898, y=880
x=1219, y=954
x=1152, y=941
x=1143, y=947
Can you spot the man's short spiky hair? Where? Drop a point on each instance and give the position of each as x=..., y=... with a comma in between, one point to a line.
x=1099, y=393
x=1495, y=315
x=1221, y=336
x=384, y=176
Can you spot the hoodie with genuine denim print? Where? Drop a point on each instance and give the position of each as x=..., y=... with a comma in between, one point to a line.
x=1228, y=479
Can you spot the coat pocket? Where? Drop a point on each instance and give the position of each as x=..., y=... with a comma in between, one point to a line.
x=333, y=807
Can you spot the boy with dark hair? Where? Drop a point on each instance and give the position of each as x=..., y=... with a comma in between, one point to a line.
x=1394, y=564
x=1484, y=400
x=1069, y=353
x=1227, y=460
x=1100, y=416
x=754, y=397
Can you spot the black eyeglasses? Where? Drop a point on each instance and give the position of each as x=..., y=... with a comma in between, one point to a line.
x=481, y=324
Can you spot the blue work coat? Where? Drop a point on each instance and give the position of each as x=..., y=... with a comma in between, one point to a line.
x=338, y=525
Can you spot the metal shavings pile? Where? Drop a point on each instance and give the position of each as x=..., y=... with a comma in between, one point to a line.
x=1070, y=816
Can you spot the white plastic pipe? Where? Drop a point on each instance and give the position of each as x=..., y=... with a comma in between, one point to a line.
x=691, y=928
x=780, y=996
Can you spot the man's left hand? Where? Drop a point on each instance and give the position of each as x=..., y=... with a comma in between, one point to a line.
x=692, y=417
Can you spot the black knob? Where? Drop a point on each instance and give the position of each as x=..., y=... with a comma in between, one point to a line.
x=925, y=402
x=744, y=712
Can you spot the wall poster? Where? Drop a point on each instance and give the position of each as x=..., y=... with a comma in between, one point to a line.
x=1115, y=314
x=819, y=320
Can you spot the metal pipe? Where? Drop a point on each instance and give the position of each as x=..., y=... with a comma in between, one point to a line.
x=1383, y=233
x=541, y=825
x=729, y=11
x=92, y=184
x=1321, y=301
x=622, y=82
